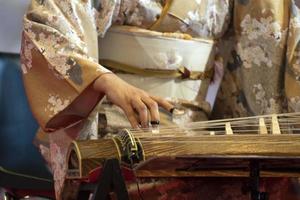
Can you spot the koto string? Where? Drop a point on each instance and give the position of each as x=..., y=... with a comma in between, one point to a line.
x=212, y=124
x=173, y=147
x=295, y=116
x=240, y=125
x=196, y=126
x=183, y=137
x=199, y=131
x=196, y=129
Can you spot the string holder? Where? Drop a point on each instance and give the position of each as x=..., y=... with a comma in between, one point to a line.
x=110, y=180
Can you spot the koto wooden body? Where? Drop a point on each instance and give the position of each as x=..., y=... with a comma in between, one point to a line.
x=85, y=156
x=198, y=149
x=215, y=155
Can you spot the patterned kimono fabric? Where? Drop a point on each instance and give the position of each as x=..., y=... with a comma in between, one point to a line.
x=60, y=63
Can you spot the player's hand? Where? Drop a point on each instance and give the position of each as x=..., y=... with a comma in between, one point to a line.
x=138, y=105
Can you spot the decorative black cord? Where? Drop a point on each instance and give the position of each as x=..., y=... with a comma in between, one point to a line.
x=136, y=181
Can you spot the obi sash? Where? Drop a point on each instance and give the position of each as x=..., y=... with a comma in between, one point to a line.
x=172, y=65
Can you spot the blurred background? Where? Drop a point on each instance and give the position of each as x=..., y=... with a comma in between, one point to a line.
x=21, y=165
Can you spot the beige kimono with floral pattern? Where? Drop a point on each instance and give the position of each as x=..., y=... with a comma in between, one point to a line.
x=262, y=75
x=60, y=58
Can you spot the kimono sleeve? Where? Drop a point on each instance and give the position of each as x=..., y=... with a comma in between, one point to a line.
x=292, y=71
x=59, y=59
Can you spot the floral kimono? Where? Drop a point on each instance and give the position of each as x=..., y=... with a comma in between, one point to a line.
x=59, y=55
x=262, y=75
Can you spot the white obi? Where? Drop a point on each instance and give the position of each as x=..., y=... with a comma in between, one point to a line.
x=159, y=51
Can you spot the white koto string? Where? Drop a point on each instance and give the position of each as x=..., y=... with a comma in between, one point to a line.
x=216, y=123
x=195, y=129
x=166, y=138
x=239, y=125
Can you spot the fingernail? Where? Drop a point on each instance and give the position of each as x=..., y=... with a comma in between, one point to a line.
x=172, y=110
x=157, y=122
